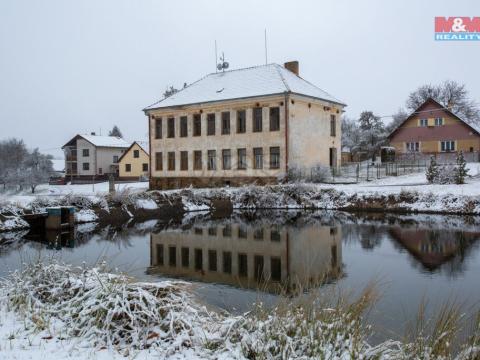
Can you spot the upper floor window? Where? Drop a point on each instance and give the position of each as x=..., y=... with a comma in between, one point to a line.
x=210, y=124
x=158, y=128
x=226, y=122
x=183, y=126
x=333, y=125
x=274, y=118
x=257, y=119
x=197, y=125
x=86, y=152
x=115, y=159
x=423, y=122
x=136, y=154
x=413, y=146
x=447, y=145
x=438, y=121
x=171, y=127
x=241, y=121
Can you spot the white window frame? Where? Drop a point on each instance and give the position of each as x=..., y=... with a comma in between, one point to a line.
x=439, y=121
x=412, y=146
x=447, y=145
x=423, y=122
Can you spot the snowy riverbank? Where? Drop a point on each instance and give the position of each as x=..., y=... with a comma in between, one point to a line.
x=51, y=309
x=402, y=194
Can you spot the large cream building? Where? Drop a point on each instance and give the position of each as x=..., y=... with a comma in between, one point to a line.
x=240, y=126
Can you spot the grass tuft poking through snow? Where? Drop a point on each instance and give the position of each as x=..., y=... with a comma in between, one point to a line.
x=48, y=309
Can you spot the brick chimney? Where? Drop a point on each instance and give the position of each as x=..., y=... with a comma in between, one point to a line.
x=292, y=66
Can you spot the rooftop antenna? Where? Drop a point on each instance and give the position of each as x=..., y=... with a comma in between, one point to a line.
x=216, y=56
x=266, y=57
x=222, y=65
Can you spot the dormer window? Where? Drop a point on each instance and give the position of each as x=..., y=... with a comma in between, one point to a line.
x=423, y=122
x=438, y=121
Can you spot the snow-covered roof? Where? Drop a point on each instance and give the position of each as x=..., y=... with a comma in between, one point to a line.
x=106, y=141
x=249, y=82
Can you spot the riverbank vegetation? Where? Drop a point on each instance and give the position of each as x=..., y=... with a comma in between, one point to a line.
x=58, y=309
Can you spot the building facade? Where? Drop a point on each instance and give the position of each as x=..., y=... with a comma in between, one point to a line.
x=433, y=129
x=134, y=163
x=242, y=126
x=93, y=157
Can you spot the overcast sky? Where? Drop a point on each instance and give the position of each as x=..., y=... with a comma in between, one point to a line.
x=69, y=67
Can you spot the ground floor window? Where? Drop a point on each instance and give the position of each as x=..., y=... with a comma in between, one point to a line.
x=86, y=166
x=447, y=145
x=274, y=157
x=145, y=167
x=128, y=167
x=242, y=159
x=212, y=160
x=413, y=146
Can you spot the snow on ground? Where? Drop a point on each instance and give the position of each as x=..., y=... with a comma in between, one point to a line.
x=85, y=216
x=147, y=204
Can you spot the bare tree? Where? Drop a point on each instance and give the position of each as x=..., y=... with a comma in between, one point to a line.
x=398, y=118
x=115, y=132
x=451, y=95
x=170, y=91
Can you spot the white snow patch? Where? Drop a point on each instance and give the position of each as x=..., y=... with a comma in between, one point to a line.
x=147, y=204
x=85, y=216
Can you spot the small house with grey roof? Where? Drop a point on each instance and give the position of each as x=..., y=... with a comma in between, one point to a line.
x=251, y=125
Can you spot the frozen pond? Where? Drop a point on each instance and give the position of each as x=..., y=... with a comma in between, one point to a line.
x=237, y=259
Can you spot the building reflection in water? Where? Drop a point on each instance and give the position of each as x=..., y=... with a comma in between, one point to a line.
x=266, y=257
x=54, y=239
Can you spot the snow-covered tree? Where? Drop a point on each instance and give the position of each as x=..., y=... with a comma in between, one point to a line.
x=115, y=132
x=12, y=155
x=450, y=94
x=432, y=171
x=372, y=132
x=461, y=170
x=37, y=169
x=397, y=118
x=351, y=136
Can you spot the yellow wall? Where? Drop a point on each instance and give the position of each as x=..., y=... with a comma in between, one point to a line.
x=136, y=163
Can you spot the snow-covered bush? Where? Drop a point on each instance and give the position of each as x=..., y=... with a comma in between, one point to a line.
x=432, y=170
x=447, y=174
x=461, y=170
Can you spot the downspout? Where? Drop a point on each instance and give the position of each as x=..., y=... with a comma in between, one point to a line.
x=149, y=151
x=286, y=136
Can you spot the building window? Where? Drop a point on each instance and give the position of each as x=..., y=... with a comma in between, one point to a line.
x=242, y=232
x=171, y=161
x=274, y=118
x=241, y=121
x=158, y=161
x=210, y=124
x=257, y=158
x=185, y=257
x=197, y=125
x=258, y=266
x=144, y=167
x=226, y=123
x=159, y=254
x=115, y=159
x=183, y=126
x=212, y=260
x=197, y=160
x=198, y=259
x=333, y=125
x=258, y=234
x=242, y=159
x=242, y=265
x=275, y=268
x=226, y=159
x=257, y=119
x=86, y=166
x=172, y=256
x=158, y=128
x=448, y=145
x=171, y=127
x=413, y=146
x=183, y=160
x=438, y=121
x=423, y=122
x=227, y=262
x=227, y=231
x=274, y=157
x=275, y=235
x=136, y=154
x=100, y=171
x=212, y=160
x=86, y=152
x=212, y=231
x=128, y=167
